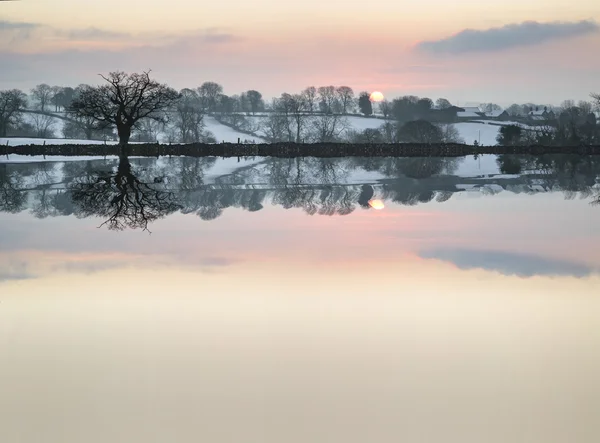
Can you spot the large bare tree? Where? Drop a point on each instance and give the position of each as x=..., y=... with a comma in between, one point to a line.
x=11, y=104
x=124, y=100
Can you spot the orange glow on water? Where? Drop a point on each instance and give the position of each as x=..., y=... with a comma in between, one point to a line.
x=376, y=204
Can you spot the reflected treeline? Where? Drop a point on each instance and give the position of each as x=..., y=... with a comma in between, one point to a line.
x=132, y=193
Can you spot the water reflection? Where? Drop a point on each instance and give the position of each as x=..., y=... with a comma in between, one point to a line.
x=132, y=193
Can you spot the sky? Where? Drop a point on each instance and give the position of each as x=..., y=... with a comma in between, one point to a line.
x=275, y=326
x=467, y=50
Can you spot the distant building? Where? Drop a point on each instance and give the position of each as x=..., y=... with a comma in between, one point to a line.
x=498, y=115
x=470, y=112
x=447, y=115
x=541, y=114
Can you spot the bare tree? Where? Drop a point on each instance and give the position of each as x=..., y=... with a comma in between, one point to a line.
x=585, y=106
x=327, y=128
x=310, y=95
x=443, y=103
x=294, y=108
x=43, y=95
x=490, y=107
x=255, y=100
x=385, y=107
x=12, y=103
x=450, y=134
x=209, y=93
x=327, y=97
x=596, y=98
x=122, y=198
x=345, y=96
x=189, y=117
x=274, y=127
x=124, y=101
x=43, y=125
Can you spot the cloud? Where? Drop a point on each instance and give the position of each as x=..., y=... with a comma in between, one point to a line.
x=508, y=263
x=510, y=36
x=94, y=34
x=14, y=271
x=17, y=26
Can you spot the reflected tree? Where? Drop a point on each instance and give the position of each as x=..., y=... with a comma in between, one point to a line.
x=133, y=194
x=122, y=198
x=13, y=198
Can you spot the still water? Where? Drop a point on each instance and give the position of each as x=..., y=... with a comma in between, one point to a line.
x=300, y=300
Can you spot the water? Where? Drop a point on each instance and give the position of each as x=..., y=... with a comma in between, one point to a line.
x=300, y=300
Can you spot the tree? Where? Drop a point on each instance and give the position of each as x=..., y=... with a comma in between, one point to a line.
x=328, y=128
x=295, y=107
x=369, y=135
x=327, y=98
x=255, y=100
x=43, y=125
x=209, y=93
x=364, y=103
x=450, y=134
x=596, y=98
x=586, y=107
x=515, y=110
x=310, y=95
x=510, y=135
x=43, y=95
x=12, y=103
x=122, y=198
x=385, y=107
x=490, y=107
x=424, y=107
x=189, y=117
x=420, y=131
x=443, y=103
x=124, y=101
x=345, y=96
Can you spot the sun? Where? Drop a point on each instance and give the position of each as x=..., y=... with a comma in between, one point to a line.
x=376, y=96
x=376, y=204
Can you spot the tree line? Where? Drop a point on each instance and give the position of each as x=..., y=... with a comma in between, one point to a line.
x=136, y=107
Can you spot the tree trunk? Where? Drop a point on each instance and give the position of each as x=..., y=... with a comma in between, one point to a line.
x=124, y=133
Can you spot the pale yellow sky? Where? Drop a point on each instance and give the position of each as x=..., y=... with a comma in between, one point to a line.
x=277, y=326
x=430, y=16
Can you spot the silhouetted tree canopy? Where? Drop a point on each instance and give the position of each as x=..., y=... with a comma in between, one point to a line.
x=124, y=100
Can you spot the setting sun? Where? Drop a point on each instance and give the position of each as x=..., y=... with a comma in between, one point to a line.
x=376, y=96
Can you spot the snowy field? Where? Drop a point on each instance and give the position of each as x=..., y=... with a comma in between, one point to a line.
x=484, y=133
x=226, y=134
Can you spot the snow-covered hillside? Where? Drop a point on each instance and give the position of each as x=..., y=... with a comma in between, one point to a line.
x=484, y=133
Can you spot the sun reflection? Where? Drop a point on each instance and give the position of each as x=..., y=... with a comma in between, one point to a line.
x=376, y=204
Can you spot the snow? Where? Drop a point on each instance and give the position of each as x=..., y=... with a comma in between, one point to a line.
x=484, y=134
x=469, y=131
x=15, y=158
x=50, y=141
x=226, y=134
x=483, y=165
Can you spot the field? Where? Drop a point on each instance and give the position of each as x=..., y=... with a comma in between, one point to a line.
x=482, y=132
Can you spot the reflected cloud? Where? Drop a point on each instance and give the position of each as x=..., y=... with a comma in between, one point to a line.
x=15, y=270
x=508, y=263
